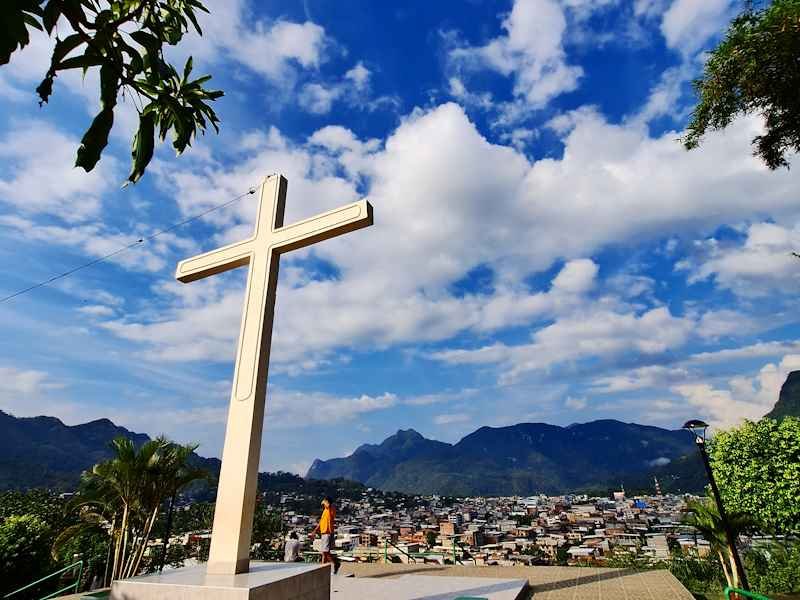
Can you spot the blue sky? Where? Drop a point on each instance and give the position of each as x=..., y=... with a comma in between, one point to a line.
x=543, y=250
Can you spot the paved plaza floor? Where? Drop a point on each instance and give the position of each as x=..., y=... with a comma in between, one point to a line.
x=551, y=583
x=426, y=587
x=545, y=583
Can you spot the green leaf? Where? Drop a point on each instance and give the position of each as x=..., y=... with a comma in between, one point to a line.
x=62, y=48
x=137, y=65
x=145, y=87
x=51, y=13
x=84, y=61
x=201, y=80
x=95, y=140
x=198, y=5
x=187, y=69
x=31, y=20
x=65, y=46
x=152, y=107
x=143, y=144
x=73, y=11
x=15, y=18
x=148, y=40
x=193, y=19
x=109, y=85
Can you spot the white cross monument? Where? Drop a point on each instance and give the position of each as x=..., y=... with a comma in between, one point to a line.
x=238, y=478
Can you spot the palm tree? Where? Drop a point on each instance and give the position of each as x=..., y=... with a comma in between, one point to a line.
x=703, y=515
x=123, y=495
x=181, y=474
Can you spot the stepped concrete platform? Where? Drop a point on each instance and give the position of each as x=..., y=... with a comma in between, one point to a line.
x=545, y=583
x=265, y=581
x=426, y=587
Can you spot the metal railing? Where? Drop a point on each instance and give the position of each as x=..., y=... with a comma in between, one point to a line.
x=743, y=594
x=413, y=556
x=387, y=543
x=72, y=586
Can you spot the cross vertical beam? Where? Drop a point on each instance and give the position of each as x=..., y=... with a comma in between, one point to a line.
x=238, y=479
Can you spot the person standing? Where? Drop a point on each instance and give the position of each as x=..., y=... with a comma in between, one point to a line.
x=325, y=527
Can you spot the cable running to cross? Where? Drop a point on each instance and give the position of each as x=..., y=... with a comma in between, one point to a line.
x=138, y=242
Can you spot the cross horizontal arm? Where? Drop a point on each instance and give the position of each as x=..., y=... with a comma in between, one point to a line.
x=217, y=261
x=323, y=226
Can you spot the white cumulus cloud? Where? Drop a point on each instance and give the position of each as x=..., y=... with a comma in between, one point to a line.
x=531, y=50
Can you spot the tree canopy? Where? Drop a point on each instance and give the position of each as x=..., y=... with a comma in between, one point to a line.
x=24, y=551
x=125, y=40
x=755, y=69
x=757, y=467
x=123, y=496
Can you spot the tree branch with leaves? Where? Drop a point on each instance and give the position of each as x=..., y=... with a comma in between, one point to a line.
x=125, y=40
x=754, y=70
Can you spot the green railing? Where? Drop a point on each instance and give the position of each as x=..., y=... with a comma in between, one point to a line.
x=387, y=543
x=71, y=587
x=413, y=556
x=743, y=594
x=457, y=560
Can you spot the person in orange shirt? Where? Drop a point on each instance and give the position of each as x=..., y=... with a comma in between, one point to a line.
x=325, y=527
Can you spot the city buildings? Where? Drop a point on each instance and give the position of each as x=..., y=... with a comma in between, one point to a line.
x=571, y=529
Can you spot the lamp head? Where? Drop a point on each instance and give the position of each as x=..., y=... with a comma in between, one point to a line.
x=698, y=428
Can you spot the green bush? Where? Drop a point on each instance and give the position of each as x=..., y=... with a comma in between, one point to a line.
x=49, y=507
x=775, y=568
x=757, y=467
x=24, y=551
x=701, y=575
x=622, y=559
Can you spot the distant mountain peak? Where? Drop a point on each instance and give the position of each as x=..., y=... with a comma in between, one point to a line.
x=408, y=434
x=39, y=418
x=104, y=423
x=788, y=404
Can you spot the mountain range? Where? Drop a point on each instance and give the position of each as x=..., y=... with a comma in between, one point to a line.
x=44, y=452
x=519, y=459
x=535, y=457
x=523, y=459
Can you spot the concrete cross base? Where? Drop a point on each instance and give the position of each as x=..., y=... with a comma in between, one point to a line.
x=265, y=581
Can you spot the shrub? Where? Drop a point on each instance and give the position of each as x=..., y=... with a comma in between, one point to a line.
x=775, y=568
x=24, y=551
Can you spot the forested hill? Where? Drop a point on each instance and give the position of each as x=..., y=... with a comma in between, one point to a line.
x=524, y=459
x=43, y=452
x=535, y=457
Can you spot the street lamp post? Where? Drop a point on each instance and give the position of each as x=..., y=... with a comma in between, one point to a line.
x=698, y=428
